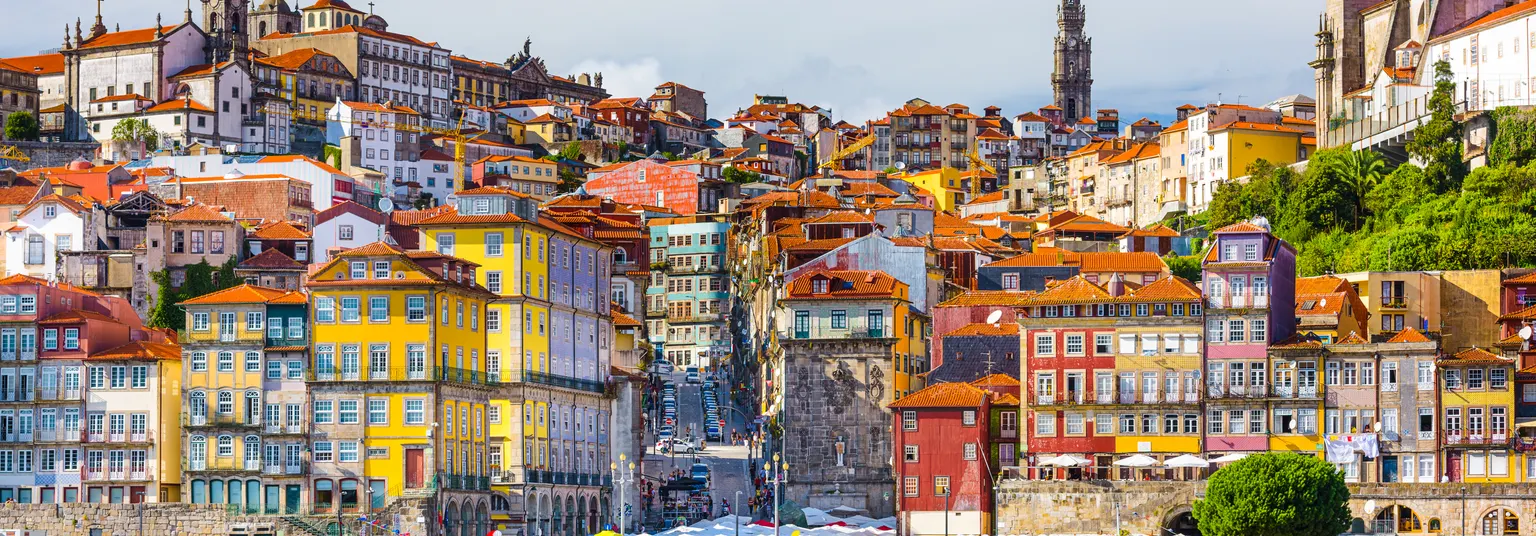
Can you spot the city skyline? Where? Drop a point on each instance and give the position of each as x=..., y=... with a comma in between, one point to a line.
x=840, y=69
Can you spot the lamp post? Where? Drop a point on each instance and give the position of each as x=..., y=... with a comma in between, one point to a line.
x=735, y=520
x=141, y=512
x=621, y=480
x=777, y=475
x=946, y=504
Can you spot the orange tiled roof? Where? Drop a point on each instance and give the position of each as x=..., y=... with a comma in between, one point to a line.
x=1490, y=20
x=1297, y=342
x=1321, y=304
x=621, y=319
x=1170, y=288
x=1474, y=356
x=1075, y=290
x=42, y=64
x=141, y=350
x=127, y=37
x=1409, y=335
x=246, y=293
x=1005, y=329
x=270, y=259
x=1093, y=262
x=944, y=395
x=983, y=298
x=77, y=315
x=845, y=216
x=1527, y=278
x=1262, y=127
x=1241, y=227
x=281, y=230
x=182, y=103
x=198, y=213
x=996, y=379
x=844, y=284
x=1322, y=284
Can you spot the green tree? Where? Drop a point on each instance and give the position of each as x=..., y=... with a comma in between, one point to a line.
x=1226, y=207
x=1437, y=142
x=669, y=156
x=423, y=200
x=571, y=151
x=890, y=170
x=137, y=134
x=21, y=126
x=1185, y=267
x=1275, y=495
x=1362, y=171
x=740, y=176
x=1514, y=137
x=569, y=182
x=201, y=278
x=165, y=313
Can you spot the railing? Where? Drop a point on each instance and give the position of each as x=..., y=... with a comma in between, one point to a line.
x=1127, y=398
x=394, y=374
x=1362, y=129
x=1191, y=397
x=1045, y=400
x=117, y=474
x=1394, y=302
x=52, y=434
x=544, y=378
x=696, y=317
x=221, y=419
x=1476, y=439
x=270, y=469
x=138, y=475
x=117, y=437
x=93, y=474
x=1149, y=398
x=293, y=468
x=140, y=436
x=673, y=268
x=1426, y=386
x=1426, y=436
x=1104, y=397
x=95, y=437
x=1389, y=387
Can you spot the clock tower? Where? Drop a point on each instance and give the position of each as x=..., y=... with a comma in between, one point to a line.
x=224, y=21
x=1072, y=81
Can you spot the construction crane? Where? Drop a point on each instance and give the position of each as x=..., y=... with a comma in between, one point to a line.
x=978, y=165
x=834, y=162
x=10, y=152
x=456, y=134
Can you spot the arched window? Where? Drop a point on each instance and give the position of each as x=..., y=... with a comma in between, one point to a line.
x=226, y=403
x=197, y=455
x=197, y=405
x=261, y=28
x=252, y=448
x=1434, y=524
x=253, y=407
x=226, y=446
x=1499, y=522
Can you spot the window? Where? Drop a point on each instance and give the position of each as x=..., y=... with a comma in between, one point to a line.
x=493, y=244
x=941, y=486
x=1074, y=344
x=226, y=361
x=415, y=412
x=968, y=418
x=1256, y=330
x=1045, y=344
x=415, y=308
x=1045, y=423
x=1102, y=344
x=381, y=269
x=970, y=451
x=378, y=308
x=1235, y=330
x=909, y=486
x=325, y=309
x=350, y=309
x=199, y=321
x=322, y=453
x=253, y=361
x=323, y=410
x=909, y=421
x=909, y=453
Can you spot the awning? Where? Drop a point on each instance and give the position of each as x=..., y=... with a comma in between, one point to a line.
x=1186, y=460
x=1138, y=460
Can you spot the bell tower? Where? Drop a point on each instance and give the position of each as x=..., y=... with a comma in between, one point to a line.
x=1072, y=81
x=224, y=21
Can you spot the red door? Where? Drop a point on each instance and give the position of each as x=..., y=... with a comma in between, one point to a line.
x=1453, y=466
x=414, y=468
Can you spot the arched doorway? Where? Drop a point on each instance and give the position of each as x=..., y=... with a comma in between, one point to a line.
x=593, y=523
x=1396, y=518
x=450, y=519
x=1499, y=522
x=557, y=519
x=547, y=517
x=571, y=516
x=581, y=516
x=1181, y=522
x=485, y=518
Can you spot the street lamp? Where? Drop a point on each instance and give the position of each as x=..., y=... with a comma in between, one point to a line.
x=776, y=475
x=621, y=480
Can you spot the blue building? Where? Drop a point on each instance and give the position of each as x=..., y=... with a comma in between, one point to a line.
x=689, y=293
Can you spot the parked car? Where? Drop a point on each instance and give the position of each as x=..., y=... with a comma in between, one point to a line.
x=693, y=376
x=712, y=432
x=699, y=472
x=663, y=366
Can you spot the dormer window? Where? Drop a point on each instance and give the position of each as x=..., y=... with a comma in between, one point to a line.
x=819, y=286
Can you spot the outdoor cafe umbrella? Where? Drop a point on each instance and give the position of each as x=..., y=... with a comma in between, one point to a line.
x=1139, y=460
x=1228, y=458
x=1064, y=460
x=1186, y=460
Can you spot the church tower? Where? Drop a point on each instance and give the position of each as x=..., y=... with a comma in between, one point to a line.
x=224, y=22
x=1072, y=81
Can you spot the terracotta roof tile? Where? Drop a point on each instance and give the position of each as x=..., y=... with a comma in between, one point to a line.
x=77, y=315
x=620, y=319
x=825, y=244
x=1004, y=329
x=1241, y=227
x=270, y=259
x=241, y=294
x=1474, y=356
x=1522, y=279
x=281, y=230
x=1297, y=342
x=844, y=284
x=1353, y=338
x=985, y=298
x=183, y=103
x=349, y=207
x=141, y=350
x=198, y=213
x=845, y=216
x=944, y=395
x=41, y=65
x=1409, y=335
x=127, y=37
x=996, y=380
x=1322, y=284
x=1072, y=291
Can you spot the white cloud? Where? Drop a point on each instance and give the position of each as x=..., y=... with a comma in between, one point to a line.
x=625, y=79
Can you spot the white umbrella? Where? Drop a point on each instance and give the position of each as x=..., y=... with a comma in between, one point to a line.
x=1139, y=460
x=1187, y=460
x=1064, y=460
x=1235, y=456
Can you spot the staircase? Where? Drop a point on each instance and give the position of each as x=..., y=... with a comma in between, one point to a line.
x=300, y=526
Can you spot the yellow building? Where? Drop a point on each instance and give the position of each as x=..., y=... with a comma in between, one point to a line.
x=1477, y=407
x=226, y=397
x=539, y=271
x=399, y=389
x=946, y=185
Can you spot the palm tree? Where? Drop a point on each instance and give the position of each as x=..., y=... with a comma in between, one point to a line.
x=1360, y=174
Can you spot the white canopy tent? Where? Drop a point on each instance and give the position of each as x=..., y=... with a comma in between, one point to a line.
x=1186, y=460
x=1139, y=460
x=1064, y=460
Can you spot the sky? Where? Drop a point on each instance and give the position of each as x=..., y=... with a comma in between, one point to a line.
x=859, y=58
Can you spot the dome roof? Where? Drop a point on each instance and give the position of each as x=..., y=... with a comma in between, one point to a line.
x=80, y=164
x=275, y=5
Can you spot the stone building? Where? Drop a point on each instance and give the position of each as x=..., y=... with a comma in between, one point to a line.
x=1072, y=81
x=18, y=91
x=272, y=16
x=675, y=97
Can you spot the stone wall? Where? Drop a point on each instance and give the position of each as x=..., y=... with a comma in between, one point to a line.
x=49, y=154
x=836, y=393
x=1039, y=508
x=178, y=519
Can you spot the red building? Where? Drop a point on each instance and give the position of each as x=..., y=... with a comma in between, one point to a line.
x=1058, y=377
x=944, y=466
x=629, y=112
x=648, y=182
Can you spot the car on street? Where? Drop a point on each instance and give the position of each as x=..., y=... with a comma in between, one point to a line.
x=693, y=376
x=663, y=366
x=712, y=432
x=681, y=446
x=665, y=433
x=699, y=472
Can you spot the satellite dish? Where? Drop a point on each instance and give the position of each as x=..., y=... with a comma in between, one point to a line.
x=386, y=205
x=1323, y=303
x=900, y=166
x=1525, y=333
x=998, y=315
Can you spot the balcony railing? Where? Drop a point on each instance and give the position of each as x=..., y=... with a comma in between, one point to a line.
x=554, y=380
x=221, y=419
x=1127, y=398
x=1455, y=437
x=138, y=475
x=1104, y=397
x=393, y=374
x=52, y=434
x=1394, y=302
x=1149, y=398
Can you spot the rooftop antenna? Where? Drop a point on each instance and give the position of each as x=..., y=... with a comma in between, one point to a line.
x=1240, y=98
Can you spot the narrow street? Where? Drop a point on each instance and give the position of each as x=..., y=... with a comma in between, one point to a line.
x=727, y=463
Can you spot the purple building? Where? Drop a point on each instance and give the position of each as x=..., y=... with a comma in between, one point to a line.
x=1250, y=291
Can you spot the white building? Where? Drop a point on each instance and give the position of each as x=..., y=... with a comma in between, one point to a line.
x=133, y=62
x=385, y=136
x=46, y=227
x=527, y=110
x=1491, y=58
x=345, y=226
x=328, y=185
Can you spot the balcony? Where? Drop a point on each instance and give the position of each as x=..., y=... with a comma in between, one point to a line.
x=692, y=269
x=697, y=317
x=138, y=475
x=49, y=435
x=1394, y=302
x=229, y=420
x=554, y=380
x=1191, y=397
x=1455, y=437
x=1149, y=398
x=854, y=330
x=1104, y=397
x=393, y=374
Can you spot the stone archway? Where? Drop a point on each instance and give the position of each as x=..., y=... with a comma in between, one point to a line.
x=450, y=519
x=1498, y=521
x=485, y=517
x=1181, y=521
x=581, y=516
x=570, y=515
x=557, y=518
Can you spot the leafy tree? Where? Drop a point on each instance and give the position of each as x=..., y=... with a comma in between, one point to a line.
x=165, y=314
x=1362, y=170
x=136, y=133
x=890, y=170
x=1185, y=267
x=571, y=151
x=1514, y=137
x=623, y=150
x=21, y=126
x=1275, y=495
x=569, y=182
x=669, y=156
x=740, y=176
x=1437, y=143
x=201, y=278
x=1226, y=207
